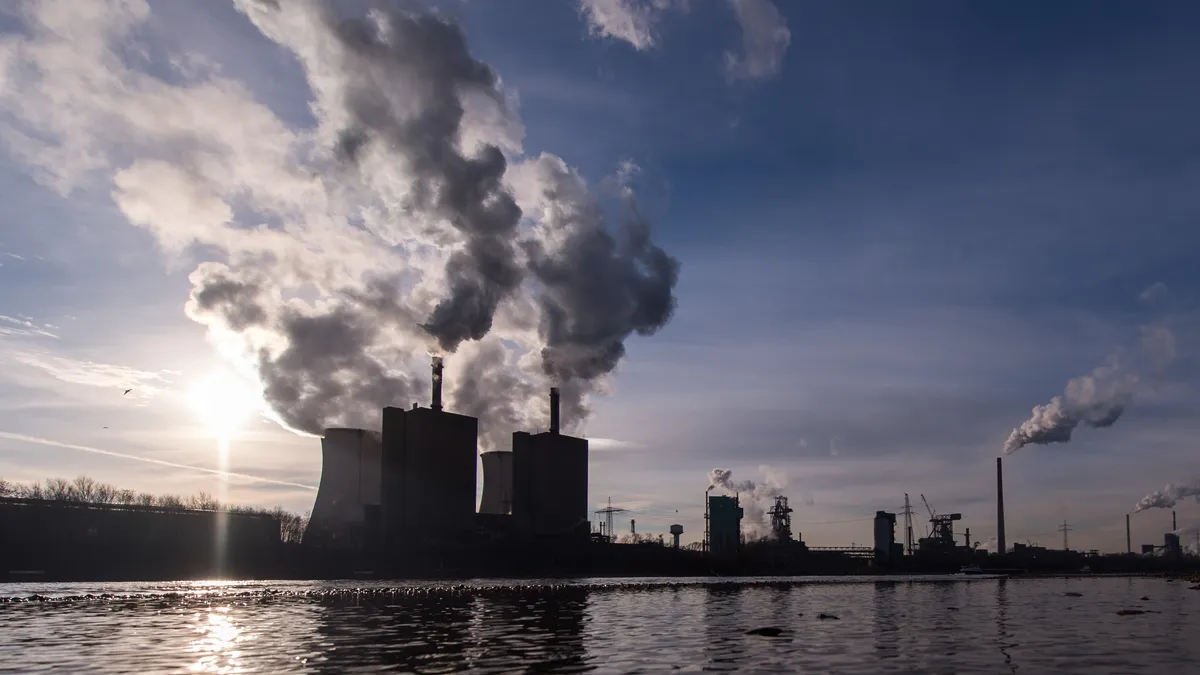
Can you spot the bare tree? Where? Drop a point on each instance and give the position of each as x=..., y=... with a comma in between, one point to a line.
x=59, y=489
x=106, y=493
x=83, y=488
x=87, y=490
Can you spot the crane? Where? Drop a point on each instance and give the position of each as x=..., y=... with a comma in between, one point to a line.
x=941, y=532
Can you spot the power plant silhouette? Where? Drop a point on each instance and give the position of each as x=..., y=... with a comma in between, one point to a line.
x=414, y=485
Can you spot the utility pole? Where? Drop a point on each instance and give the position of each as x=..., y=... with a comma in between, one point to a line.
x=608, y=519
x=1065, y=529
x=908, y=514
x=967, y=536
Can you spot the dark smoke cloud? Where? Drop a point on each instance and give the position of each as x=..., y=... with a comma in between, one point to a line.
x=1168, y=496
x=325, y=374
x=430, y=56
x=487, y=370
x=598, y=287
x=1096, y=400
x=348, y=248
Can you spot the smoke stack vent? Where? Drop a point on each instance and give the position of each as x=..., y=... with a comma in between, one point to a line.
x=1000, y=506
x=437, y=383
x=554, y=410
x=1174, y=525
x=1128, y=539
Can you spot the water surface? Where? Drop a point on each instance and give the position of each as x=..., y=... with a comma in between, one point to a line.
x=883, y=625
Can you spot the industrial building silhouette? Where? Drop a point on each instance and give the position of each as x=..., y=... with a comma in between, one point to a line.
x=412, y=488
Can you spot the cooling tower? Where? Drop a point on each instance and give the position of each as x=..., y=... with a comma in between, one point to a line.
x=350, y=468
x=497, y=483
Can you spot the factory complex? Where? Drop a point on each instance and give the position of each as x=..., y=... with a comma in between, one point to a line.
x=402, y=503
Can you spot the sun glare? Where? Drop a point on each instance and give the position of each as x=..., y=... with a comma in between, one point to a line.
x=224, y=403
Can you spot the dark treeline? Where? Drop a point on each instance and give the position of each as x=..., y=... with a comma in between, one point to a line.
x=87, y=490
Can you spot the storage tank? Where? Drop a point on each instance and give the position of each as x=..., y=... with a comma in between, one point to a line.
x=497, y=483
x=350, y=469
x=550, y=480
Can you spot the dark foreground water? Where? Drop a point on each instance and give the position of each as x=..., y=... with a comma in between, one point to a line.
x=897, y=625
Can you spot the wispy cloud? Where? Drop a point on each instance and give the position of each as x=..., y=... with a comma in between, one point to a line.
x=631, y=21
x=595, y=443
x=149, y=460
x=765, y=39
x=143, y=383
x=21, y=326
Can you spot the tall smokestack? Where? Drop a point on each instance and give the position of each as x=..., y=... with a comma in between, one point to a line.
x=1000, y=506
x=1128, y=539
x=554, y=410
x=1174, y=525
x=437, y=383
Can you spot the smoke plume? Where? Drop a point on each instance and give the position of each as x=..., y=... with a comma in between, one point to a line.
x=1098, y=399
x=330, y=260
x=754, y=497
x=1168, y=496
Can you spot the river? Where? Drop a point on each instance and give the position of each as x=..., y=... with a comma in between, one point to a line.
x=882, y=625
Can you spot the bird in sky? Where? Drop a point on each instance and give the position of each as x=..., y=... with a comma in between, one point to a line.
x=127, y=392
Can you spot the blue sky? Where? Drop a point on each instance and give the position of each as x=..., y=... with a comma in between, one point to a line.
x=900, y=227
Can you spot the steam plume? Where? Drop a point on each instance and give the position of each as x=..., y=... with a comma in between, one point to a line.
x=1098, y=399
x=1168, y=496
x=754, y=496
x=330, y=260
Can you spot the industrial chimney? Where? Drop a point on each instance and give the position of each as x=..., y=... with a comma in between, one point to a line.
x=554, y=410
x=437, y=383
x=1174, y=525
x=1128, y=539
x=1000, y=506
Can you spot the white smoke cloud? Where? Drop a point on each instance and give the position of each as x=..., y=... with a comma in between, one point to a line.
x=329, y=261
x=1168, y=496
x=1098, y=399
x=756, y=498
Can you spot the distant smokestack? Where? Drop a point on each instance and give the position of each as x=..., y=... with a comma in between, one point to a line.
x=1128, y=539
x=1174, y=525
x=437, y=383
x=1000, y=506
x=554, y=410
x=632, y=526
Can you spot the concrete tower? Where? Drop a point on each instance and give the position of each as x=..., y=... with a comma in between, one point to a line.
x=348, y=498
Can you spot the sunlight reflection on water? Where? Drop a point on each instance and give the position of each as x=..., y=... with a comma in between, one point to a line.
x=882, y=626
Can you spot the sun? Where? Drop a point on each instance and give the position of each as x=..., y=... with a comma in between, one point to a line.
x=224, y=402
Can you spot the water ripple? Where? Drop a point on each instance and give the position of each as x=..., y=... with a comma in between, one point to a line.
x=893, y=625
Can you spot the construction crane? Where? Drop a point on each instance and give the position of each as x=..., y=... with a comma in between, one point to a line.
x=941, y=533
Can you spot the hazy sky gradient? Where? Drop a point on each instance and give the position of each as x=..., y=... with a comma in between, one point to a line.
x=901, y=226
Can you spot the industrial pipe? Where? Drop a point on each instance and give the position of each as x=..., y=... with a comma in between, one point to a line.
x=1000, y=506
x=437, y=383
x=554, y=410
